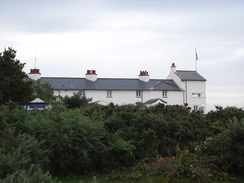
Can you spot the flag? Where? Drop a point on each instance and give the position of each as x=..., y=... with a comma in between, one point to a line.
x=196, y=54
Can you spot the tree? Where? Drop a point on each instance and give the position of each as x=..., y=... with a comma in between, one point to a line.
x=43, y=91
x=76, y=101
x=14, y=85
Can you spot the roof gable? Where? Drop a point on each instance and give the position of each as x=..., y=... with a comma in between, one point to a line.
x=37, y=100
x=152, y=101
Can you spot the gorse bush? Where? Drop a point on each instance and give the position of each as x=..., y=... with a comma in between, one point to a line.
x=226, y=149
x=19, y=155
x=74, y=141
x=32, y=175
x=18, y=151
x=75, y=101
x=101, y=138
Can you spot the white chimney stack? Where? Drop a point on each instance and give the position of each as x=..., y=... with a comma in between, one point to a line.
x=144, y=76
x=173, y=67
x=34, y=74
x=91, y=75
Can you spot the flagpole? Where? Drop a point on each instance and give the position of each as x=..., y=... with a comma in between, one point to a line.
x=196, y=58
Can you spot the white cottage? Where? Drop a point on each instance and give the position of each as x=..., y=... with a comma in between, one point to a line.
x=193, y=87
x=181, y=87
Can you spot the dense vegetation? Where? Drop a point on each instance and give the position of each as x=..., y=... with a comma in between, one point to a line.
x=14, y=84
x=167, y=140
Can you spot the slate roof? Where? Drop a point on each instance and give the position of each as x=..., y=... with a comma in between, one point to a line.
x=189, y=76
x=64, y=83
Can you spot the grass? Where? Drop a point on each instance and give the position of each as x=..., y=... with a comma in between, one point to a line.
x=110, y=178
x=106, y=178
x=131, y=175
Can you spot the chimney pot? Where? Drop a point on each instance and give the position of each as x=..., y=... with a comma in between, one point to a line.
x=144, y=76
x=143, y=73
x=91, y=75
x=173, y=68
x=34, y=71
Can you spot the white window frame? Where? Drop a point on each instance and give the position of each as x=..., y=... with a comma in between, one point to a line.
x=196, y=95
x=195, y=108
x=109, y=94
x=138, y=93
x=82, y=92
x=164, y=94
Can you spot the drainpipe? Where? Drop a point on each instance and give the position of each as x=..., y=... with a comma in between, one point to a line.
x=186, y=92
x=142, y=96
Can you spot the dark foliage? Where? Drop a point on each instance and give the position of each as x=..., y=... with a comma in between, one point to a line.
x=14, y=83
x=43, y=91
x=75, y=101
x=99, y=138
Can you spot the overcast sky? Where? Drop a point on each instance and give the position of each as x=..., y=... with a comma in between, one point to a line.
x=118, y=38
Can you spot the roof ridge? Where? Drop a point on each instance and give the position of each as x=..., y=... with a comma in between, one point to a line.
x=185, y=71
x=104, y=78
x=63, y=77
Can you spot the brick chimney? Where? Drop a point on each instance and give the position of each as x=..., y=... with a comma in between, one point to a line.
x=173, y=67
x=34, y=74
x=144, y=76
x=91, y=75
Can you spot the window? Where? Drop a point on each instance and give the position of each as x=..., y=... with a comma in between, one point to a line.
x=82, y=92
x=164, y=94
x=138, y=93
x=109, y=93
x=195, y=107
x=195, y=95
x=201, y=108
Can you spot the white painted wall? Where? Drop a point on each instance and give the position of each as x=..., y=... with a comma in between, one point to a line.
x=173, y=97
x=189, y=87
x=126, y=96
x=196, y=87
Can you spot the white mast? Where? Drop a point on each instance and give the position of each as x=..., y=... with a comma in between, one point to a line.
x=196, y=58
x=35, y=58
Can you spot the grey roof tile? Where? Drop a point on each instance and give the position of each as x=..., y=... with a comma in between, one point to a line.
x=189, y=76
x=64, y=83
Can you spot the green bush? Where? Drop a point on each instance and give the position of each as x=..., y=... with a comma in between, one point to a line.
x=117, y=152
x=74, y=141
x=19, y=151
x=94, y=138
x=32, y=175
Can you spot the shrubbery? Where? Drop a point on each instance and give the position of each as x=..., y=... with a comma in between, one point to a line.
x=178, y=142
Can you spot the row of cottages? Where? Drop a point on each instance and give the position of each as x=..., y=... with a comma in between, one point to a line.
x=181, y=87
